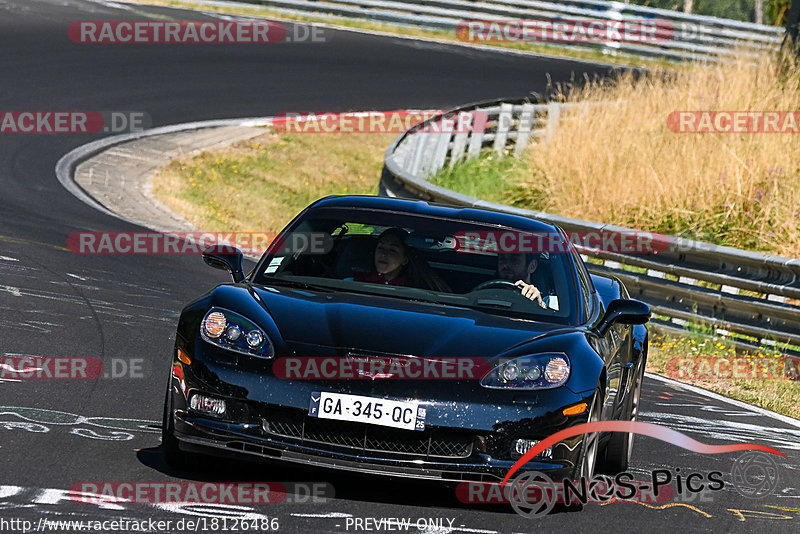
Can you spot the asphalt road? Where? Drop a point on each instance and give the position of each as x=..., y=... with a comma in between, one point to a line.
x=55, y=434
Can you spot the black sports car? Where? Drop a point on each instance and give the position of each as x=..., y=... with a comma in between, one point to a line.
x=404, y=338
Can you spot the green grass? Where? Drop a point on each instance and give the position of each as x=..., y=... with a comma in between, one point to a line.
x=487, y=177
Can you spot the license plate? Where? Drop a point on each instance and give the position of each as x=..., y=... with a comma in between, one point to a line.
x=408, y=415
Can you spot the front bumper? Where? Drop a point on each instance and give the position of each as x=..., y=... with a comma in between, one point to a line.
x=200, y=434
x=478, y=448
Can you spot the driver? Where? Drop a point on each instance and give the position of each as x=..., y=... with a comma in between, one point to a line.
x=519, y=268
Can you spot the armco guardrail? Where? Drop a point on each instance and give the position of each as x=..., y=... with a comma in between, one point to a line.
x=750, y=296
x=681, y=36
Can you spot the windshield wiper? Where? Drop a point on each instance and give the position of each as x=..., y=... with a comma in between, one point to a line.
x=295, y=283
x=494, y=303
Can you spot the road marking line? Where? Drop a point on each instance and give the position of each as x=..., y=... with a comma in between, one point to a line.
x=763, y=411
x=663, y=506
x=17, y=241
x=13, y=290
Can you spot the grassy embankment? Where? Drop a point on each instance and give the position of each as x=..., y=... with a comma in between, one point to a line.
x=261, y=184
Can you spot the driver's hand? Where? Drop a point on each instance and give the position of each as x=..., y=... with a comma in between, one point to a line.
x=530, y=291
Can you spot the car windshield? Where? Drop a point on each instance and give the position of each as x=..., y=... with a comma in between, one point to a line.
x=445, y=261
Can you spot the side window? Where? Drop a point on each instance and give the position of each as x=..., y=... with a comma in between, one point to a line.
x=585, y=283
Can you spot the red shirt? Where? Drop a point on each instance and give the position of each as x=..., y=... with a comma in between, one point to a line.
x=377, y=278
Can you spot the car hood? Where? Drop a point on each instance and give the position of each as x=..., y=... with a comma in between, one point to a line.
x=387, y=325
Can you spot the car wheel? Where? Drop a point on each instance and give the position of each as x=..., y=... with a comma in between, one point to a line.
x=175, y=458
x=617, y=454
x=591, y=441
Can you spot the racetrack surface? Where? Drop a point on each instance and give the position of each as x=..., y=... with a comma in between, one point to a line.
x=53, y=303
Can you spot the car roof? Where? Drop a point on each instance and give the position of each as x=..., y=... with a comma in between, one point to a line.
x=421, y=207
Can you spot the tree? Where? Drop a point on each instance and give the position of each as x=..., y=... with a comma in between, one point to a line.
x=769, y=11
x=776, y=12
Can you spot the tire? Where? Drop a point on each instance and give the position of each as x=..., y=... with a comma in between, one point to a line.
x=589, y=448
x=617, y=454
x=173, y=455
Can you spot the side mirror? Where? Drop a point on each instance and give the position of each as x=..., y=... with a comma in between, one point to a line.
x=227, y=258
x=623, y=312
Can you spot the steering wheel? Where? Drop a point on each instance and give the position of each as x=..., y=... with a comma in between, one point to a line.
x=497, y=284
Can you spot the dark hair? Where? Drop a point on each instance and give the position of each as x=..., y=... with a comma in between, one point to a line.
x=399, y=233
x=538, y=256
x=529, y=256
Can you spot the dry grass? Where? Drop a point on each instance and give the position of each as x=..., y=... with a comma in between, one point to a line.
x=619, y=163
x=261, y=184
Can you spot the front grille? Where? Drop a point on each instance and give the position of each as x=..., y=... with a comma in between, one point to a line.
x=296, y=424
x=333, y=432
x=403, y=442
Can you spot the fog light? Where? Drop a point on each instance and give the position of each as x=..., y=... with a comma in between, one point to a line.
x=521, y=446
x=201, y=403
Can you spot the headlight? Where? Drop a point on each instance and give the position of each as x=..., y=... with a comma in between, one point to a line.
x=230, y=331
x=538, y=371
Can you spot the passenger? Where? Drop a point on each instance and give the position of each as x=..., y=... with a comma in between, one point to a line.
x=391, y=260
